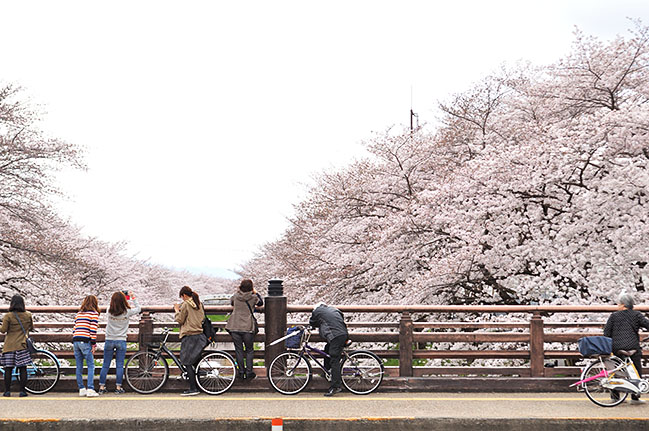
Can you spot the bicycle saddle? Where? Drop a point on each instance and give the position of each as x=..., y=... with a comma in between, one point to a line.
x=625, y=352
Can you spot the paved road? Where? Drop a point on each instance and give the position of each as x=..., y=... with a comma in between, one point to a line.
x=62, y=406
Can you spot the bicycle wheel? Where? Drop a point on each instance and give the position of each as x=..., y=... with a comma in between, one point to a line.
x=146, y=372
x=289, y=373
x=43, y=373
x=215, y=373
x=362, y=372
x=597, y=393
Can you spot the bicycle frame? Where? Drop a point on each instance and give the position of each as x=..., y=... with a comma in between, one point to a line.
x=634, y=384
x=306, y=352
x=163, y=349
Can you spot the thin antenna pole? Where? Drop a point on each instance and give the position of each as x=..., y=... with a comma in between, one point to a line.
x=412, y=114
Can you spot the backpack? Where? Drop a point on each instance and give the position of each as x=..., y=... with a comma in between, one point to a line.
x=208, y=330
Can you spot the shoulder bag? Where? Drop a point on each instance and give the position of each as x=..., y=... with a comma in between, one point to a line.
x=255, y=325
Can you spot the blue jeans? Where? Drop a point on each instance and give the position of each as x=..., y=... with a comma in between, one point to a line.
x=118, y=348
x=83, y=350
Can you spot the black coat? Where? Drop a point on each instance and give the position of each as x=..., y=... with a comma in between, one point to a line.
x=622, y=326
x=330, y=321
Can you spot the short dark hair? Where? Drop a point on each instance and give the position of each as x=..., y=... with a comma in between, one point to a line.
x=17, y=303
x=246, y=285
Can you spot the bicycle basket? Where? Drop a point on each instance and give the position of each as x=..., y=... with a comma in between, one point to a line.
x=596, y=345
x=294, y=341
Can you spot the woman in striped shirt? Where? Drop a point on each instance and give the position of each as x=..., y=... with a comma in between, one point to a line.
x=84, y=339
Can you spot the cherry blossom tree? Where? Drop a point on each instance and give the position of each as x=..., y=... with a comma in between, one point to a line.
x=533, y=189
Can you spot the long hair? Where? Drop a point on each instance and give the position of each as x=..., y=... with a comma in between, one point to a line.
x=186, y=290
x=246, y=285
x=90, y=304
x=118, y=304
x=17, y=304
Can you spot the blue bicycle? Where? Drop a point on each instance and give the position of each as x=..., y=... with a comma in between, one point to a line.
x=42, y=374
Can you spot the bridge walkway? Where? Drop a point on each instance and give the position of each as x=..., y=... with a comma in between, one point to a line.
x=241, y=411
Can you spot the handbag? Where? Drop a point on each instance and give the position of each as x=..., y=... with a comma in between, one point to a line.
x=30, y=342
x=255, y=325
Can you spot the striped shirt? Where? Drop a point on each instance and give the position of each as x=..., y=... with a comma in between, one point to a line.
x=85, y=327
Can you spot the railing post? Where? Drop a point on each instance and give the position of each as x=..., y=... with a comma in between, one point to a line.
x=274, y=320
x=405, y=345
x=536, y=345
x=145, y=330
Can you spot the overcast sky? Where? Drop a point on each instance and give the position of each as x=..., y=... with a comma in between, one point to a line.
x=203, y=120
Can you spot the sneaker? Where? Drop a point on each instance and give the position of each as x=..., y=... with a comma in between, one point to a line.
x=22, y=394
x=91, y=393
x=82, y=392
x=190, y=392
x=250, y=375
x=119, y=391
x=6, y=394
x=638, y=401
x=101, y=391
x=332, y=391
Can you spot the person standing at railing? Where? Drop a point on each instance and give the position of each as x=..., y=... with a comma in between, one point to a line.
x=84, y=340
x=14, y=350
x=190, y=315
x=622, y=326
x=241, y=326
x=119, y=313
x=331, y=325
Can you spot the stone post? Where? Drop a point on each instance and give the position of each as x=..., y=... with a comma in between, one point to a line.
x=275, y=320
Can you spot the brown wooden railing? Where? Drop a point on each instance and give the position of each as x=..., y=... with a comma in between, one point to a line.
x=523, y=341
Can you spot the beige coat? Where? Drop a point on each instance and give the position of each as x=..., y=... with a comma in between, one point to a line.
x=15, y=339
x=190, y=317
x=241, y=318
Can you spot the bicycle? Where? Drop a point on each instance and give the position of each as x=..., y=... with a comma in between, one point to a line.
x=42, y=374
x=608, y=373
x=147, y=371
x=290, y=372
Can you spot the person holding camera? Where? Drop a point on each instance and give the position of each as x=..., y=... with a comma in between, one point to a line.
x=331, y=325
x=241, y=326
x=16, y=324
x=119, y=313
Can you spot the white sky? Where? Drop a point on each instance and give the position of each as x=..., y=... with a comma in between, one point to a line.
x=203, y=120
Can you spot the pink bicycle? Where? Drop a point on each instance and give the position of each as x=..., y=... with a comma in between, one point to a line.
x=609, y=379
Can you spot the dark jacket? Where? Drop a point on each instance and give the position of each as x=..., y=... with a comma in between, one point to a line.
x=622, y=326
x=241, y=318
x=330, y=322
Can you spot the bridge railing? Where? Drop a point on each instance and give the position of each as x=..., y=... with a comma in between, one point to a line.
x=406, y=336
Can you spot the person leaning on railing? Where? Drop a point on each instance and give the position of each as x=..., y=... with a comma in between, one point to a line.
x=84, y=343
x=14, y=350
x=331, y=325
x=622, y=326
x=241, y=327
